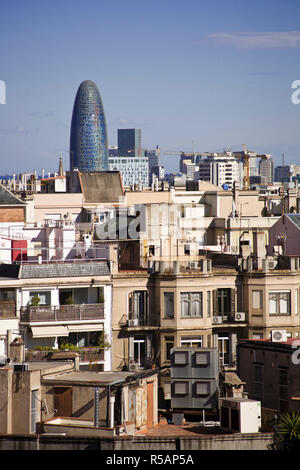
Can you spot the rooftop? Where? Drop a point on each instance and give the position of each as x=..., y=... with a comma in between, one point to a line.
x=92, y=378
x=55, y=270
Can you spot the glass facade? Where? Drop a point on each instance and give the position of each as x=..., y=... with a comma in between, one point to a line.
x=88, y=141
x=130, y=142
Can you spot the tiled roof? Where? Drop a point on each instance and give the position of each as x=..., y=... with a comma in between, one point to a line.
x=294, y=218
x=75, y=269
x=9, y=199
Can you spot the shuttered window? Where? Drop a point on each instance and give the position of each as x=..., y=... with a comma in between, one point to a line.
x=191, y=304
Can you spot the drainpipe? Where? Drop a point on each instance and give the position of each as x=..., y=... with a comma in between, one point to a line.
x=96, y=407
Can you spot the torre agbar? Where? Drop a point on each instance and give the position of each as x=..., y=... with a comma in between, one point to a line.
x=88, y=141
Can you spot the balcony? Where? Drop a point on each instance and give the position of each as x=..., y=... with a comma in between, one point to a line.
x=89, y=354
x=61, y=313
x=7, y=310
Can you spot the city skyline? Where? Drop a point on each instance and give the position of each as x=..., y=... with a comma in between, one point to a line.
x=191, y=76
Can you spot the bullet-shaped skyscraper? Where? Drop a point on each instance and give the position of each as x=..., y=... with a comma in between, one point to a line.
x=88, y=140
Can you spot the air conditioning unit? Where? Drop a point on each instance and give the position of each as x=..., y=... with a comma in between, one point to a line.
x=272, y=264
x=21, y=367
x=133, y=366
x=240, y=414
x=278, y=335
x=217, y=320
x=193, y=265
x=240, y=316
x=133, y=322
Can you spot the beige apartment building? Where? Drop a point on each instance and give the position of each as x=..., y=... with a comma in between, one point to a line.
x=214, y=303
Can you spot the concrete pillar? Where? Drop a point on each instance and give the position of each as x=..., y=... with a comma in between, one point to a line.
x=112, y=412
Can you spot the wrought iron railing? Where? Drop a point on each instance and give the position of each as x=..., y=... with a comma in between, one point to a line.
x=62, y=313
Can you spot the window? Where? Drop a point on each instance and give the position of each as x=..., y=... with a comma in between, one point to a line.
x=169, y=344
x=280, y=303
x=208, y=299
x=34, y=410
x=169, y=304
x=191, y=341
x=223, y=345
x=151, y=250
x=257, y=335
x=283, y=388
x=191, y=304
x=223, y=302
x=38, y=298
x=296, y=301
x=7, y=295
x=139, y=350
x=258, y=379
x=138, y=306
x=187, y=250
x=257, y=299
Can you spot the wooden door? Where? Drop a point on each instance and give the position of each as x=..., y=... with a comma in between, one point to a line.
x=150, y=403
x=63, y=401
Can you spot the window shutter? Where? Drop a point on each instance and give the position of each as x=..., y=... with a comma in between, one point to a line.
x=215, y=302
x=148, y=346
x=130, y=305
x=131, y=347
x=233, y=303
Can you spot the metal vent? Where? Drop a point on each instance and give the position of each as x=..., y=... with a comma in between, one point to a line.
x=180, y=358
x=181, y=388
x=202, y=388
x=202, y=358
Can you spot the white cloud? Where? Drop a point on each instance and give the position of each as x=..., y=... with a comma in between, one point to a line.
x=257, y=40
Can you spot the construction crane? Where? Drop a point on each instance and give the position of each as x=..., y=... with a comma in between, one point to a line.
x=244, y=156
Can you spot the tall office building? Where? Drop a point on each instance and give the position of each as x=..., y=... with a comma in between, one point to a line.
x=134, y=171
x=130, y=142
x=88, y=140
x=266, y=168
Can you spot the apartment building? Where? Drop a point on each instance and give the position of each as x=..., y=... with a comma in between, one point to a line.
x=54, y=303
x=270, y=367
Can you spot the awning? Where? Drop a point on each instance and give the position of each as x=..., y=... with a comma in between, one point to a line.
x=49, y=331
x=91, y=327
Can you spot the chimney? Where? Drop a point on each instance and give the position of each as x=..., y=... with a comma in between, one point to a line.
x=259, y=247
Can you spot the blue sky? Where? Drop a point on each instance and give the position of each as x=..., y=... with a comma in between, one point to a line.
x=191, y=74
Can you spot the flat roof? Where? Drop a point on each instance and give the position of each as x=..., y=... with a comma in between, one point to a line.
x=92, y=378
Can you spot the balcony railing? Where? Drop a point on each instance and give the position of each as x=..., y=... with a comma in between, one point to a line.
x=91, y=354
x=62, y=313
x=86, y=354
x=7, y=310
